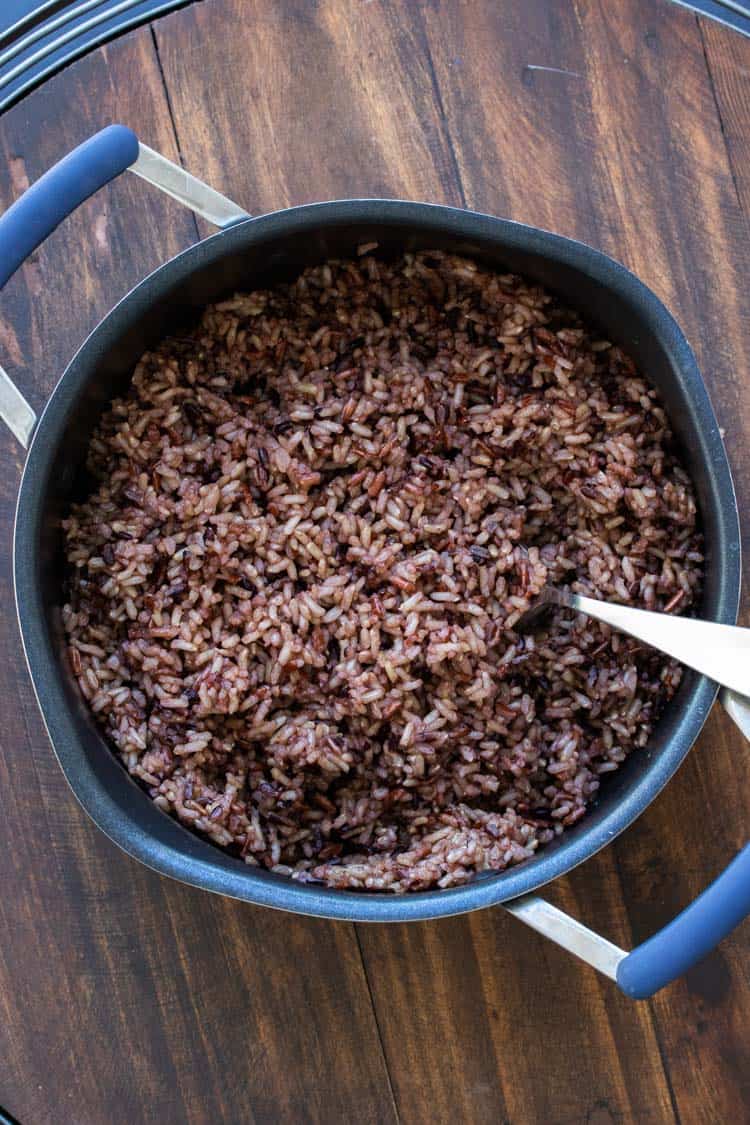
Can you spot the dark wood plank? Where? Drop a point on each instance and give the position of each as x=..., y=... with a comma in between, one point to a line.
x=325, y=101
x=125, y=997
x=728, y=58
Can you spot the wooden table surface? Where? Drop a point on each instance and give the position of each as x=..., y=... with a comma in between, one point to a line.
x=127, y=998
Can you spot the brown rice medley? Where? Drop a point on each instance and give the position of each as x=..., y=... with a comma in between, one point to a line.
x=318, y=517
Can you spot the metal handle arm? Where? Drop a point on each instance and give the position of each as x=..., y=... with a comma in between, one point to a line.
x=57, y=193
x=680, y=944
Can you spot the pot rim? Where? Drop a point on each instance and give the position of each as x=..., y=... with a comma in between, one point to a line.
x=197, y=862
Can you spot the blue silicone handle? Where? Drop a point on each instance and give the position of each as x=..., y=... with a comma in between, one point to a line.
x=691, y=935
x=58, y=192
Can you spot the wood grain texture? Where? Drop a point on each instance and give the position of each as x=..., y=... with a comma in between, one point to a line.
x=127, y=998
x=728, y=58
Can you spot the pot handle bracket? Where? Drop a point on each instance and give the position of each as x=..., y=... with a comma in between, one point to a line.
x=682, y=942
x=57, y=193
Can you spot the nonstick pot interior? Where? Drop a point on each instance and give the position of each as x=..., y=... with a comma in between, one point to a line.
x=260, y=252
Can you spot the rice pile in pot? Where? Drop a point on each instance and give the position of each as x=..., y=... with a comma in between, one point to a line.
x=317, y=517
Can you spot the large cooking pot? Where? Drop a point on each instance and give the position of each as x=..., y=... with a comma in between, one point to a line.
x=250, y=252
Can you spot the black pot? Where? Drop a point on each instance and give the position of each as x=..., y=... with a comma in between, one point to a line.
x=257, y=252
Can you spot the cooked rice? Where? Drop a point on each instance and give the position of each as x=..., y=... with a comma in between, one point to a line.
x=318, y=516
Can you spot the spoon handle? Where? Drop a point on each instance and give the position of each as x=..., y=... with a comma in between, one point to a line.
x=721, y=652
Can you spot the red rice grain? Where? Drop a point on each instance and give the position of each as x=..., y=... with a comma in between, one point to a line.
x=318, y=517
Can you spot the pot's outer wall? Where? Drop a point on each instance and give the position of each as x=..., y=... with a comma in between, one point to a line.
x=259, y=252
